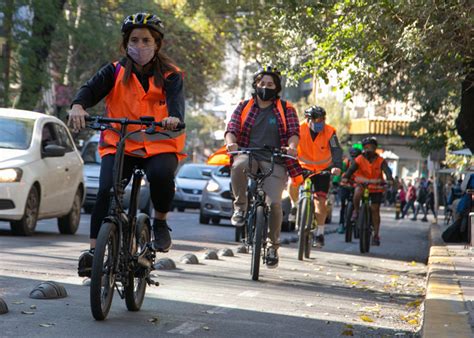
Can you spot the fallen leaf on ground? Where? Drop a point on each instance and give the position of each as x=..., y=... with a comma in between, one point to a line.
x=415, y=303
x=18, y=302
x=366, y=319
x=394, y=276
x=206, y=328
x=347, y=333
x=27, y=312
x=33, y=307
x=154, y=320
x=349, y=326
x=413, y=263
x=463, y=312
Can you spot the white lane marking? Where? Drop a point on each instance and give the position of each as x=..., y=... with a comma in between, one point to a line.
x=186, y=328
x=248, y=293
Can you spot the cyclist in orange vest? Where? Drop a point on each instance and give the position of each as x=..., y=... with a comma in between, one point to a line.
x=368, y=167
x=264, y=120
x=145, y=82
x=318, y=151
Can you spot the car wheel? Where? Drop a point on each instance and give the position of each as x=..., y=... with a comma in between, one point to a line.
x=68, y=224
x=181, y=209
x=215, y=220
x=203, y=219
x=27, y=224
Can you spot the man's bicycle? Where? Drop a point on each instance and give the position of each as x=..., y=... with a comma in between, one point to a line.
x=123, y=257
x=306, y=223
x=256, y=220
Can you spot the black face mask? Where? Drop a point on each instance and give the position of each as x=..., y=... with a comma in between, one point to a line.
x=370, y=153
x=266, y=94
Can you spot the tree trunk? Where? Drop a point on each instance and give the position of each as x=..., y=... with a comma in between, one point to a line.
x=7, y=26
x=34, y=73
x=465, y=119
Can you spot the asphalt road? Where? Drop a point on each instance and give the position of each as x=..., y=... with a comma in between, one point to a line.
x=336, y=292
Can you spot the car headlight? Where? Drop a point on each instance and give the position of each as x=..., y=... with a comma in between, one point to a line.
x=143, y=182
x=213, y=186
x=284, y=194
x=10, y=175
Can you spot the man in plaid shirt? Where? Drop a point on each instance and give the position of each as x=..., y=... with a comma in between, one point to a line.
x=264, y=120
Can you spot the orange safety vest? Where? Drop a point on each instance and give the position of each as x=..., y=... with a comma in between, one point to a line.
x=315, y=155
x=131, y=101
x=248, y=106
x=369, y=171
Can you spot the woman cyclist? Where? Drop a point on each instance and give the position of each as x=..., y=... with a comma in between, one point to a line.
x=145, y=82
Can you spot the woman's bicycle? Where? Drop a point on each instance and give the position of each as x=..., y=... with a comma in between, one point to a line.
x=123, y=256
x=364, y=221
x=256, y=220
x=306, y=223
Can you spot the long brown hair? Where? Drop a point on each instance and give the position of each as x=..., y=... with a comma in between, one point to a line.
x=162, y=63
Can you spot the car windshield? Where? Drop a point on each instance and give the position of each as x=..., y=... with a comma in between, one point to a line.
x=193, y=172
x=15, y=133
x=90, y=154
x=223, y=171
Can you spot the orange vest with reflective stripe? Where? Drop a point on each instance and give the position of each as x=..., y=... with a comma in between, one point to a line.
x=369, y=171
x=315, y=155
x=245, y=112
x=131, y=101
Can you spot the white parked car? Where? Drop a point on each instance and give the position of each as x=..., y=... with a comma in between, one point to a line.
x=40, y=172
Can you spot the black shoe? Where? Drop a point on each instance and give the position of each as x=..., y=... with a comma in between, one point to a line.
x=272, y=258
x=84, y=268
x=376, y=241
x=161, y=231
x=424, y=219
x=319, y=241
x=412, y=219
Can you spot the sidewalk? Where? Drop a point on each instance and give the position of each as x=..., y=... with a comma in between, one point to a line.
x=449, y=310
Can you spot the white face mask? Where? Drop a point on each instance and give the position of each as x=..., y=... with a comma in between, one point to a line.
x=141, y=56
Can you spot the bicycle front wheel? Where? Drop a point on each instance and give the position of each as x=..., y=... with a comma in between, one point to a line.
x=304, y=219
x=348, y=222
x=257, y=242
x=365, y=231
x=136, y=288
x=103, y=274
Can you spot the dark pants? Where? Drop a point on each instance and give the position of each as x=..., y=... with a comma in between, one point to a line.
x=410, y=204
x=159, y=170
x=421, y=206
x=345, y=194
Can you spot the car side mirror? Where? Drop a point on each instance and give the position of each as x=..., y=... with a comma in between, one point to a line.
x=53, y=150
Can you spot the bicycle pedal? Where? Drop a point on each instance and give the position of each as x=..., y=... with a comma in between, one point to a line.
x=151, y=282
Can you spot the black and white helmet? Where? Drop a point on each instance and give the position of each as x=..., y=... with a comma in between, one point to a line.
x=142, y=20
x=314, y=112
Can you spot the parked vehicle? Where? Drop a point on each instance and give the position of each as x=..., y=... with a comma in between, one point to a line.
x=92, y=161
x=190, y=182
x=40, y=172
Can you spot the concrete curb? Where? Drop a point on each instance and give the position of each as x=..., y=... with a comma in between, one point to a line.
x=444, y=308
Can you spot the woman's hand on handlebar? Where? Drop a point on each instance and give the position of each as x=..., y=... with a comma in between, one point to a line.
x=291, y=151
x=232, y=147
x=170, y=123
x=76, y=118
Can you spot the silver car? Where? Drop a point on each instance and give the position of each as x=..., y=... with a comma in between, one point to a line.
x=216, y=202
x=92, y=161
x=190, y=182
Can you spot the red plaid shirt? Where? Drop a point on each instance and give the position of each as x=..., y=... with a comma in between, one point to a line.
x=243, y=134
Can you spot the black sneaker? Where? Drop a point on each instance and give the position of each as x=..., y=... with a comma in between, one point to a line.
x=84, y=268
x=161, y=231
x=272, y=258
x=376, y=241
x=319, y=241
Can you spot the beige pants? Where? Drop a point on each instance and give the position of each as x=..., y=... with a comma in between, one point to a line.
x=273, y=187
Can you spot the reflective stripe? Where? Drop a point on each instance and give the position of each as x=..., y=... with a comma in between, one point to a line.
x=304, y=160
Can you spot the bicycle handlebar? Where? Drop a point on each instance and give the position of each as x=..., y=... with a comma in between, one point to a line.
x=144, y=121
x=274, y=151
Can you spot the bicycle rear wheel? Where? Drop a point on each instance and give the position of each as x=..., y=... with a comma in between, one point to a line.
x=348, y=222
x=257, y=242
x=103, y=274
x=365, y=231
x=136, y=288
